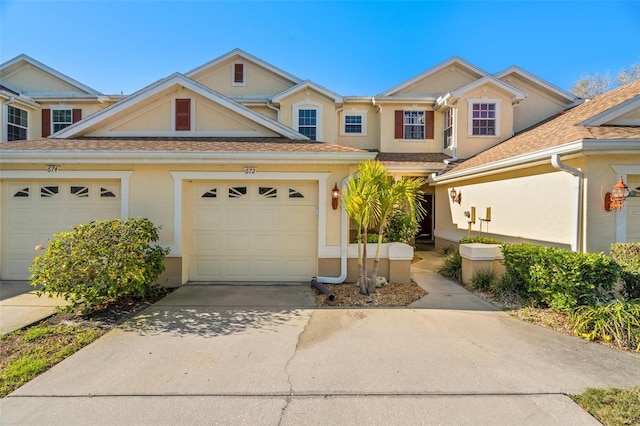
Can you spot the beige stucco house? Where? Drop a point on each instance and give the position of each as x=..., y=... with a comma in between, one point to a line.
x=236, y=160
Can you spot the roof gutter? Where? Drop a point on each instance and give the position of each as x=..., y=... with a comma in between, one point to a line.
x=509, y=164
x=578, y=208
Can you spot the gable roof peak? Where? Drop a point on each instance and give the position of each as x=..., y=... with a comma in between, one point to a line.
x=514, y=69
x=454, y=60
x=248, y=57
x=35, y=63
x=310, y=84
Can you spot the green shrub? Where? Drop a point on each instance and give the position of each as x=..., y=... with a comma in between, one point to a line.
x=618, y=321
x=564, y=279
x=452, y=266
x=99, y=262
x=483, y=279
x=372, y=238
x=447, y=250
x=401, y=227
x=559, y=278
x=518, y=260
x=482, y=240
x=628, y=256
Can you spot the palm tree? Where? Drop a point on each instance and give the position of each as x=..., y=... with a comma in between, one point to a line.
x=403, y=194
x=362, y=203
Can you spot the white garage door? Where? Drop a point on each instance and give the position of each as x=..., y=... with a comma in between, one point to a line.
x=33, y=211
x=253, y=231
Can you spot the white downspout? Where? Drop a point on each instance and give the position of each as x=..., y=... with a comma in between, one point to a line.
x=277, y=110
x=578, y=214
x=343, y=246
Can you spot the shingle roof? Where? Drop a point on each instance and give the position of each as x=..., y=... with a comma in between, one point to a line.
x=431, y=161
x=563, y=129
x=175, y=145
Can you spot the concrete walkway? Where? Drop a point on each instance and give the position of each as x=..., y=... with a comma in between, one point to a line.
x=21, y=307
x=255, y=355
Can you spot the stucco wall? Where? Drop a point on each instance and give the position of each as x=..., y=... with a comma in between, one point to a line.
x=536, y=207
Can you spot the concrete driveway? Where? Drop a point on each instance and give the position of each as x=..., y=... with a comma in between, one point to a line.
x=263, y=355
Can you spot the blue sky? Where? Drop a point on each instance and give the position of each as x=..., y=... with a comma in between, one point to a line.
x=352, y=48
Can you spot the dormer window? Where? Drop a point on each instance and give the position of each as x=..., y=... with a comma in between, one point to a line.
x=484, y=117
x=307, y=119
x=238, y=75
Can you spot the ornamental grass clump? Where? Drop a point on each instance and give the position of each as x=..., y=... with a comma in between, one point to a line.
x=617, y=321
x=100, y=262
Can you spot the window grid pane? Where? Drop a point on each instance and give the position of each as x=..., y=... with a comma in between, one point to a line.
x=17, y=123
x=484, y=119
x=307, y=123
x=414, y=124
x=353, y=124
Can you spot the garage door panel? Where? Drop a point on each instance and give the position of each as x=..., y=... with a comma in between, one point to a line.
x=298, y=243
x=49, y=216
x=207, y=268
x=267, y=218
x=237, y=269
x=206, y=217
x=207, y=243
x=237, y=243
x=263, y=234
x=235, y=218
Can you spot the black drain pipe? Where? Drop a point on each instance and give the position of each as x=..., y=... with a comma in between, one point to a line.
x=331, y=298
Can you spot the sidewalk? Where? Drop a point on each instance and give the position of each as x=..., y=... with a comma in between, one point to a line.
x=20, y=307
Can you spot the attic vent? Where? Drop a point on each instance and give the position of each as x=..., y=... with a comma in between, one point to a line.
x=238, y=75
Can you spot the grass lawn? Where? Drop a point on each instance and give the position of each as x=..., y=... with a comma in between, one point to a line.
x=612, y=407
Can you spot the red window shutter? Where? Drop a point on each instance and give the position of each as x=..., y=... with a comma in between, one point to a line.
x=238, y=73
x=183, y=114
x=428, y=124
x=77, y=115
x=46, y=123
x=399, y=125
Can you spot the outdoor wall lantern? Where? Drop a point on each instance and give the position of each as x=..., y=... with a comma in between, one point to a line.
x=615, y=198
x=456, y=197
x=335, y=196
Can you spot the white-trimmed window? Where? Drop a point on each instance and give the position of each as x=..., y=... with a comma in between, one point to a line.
x=61, y=118
x=354, y=123
x=484, y=117
x=238, y=76
x=17, y=124
x=307, y=119
x=448, y=128
x=414, y=124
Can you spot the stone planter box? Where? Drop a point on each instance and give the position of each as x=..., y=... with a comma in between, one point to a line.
x=477, y=256
x=395, y=263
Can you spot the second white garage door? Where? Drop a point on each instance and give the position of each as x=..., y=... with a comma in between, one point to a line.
x=32, y=211
x=253, y=231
